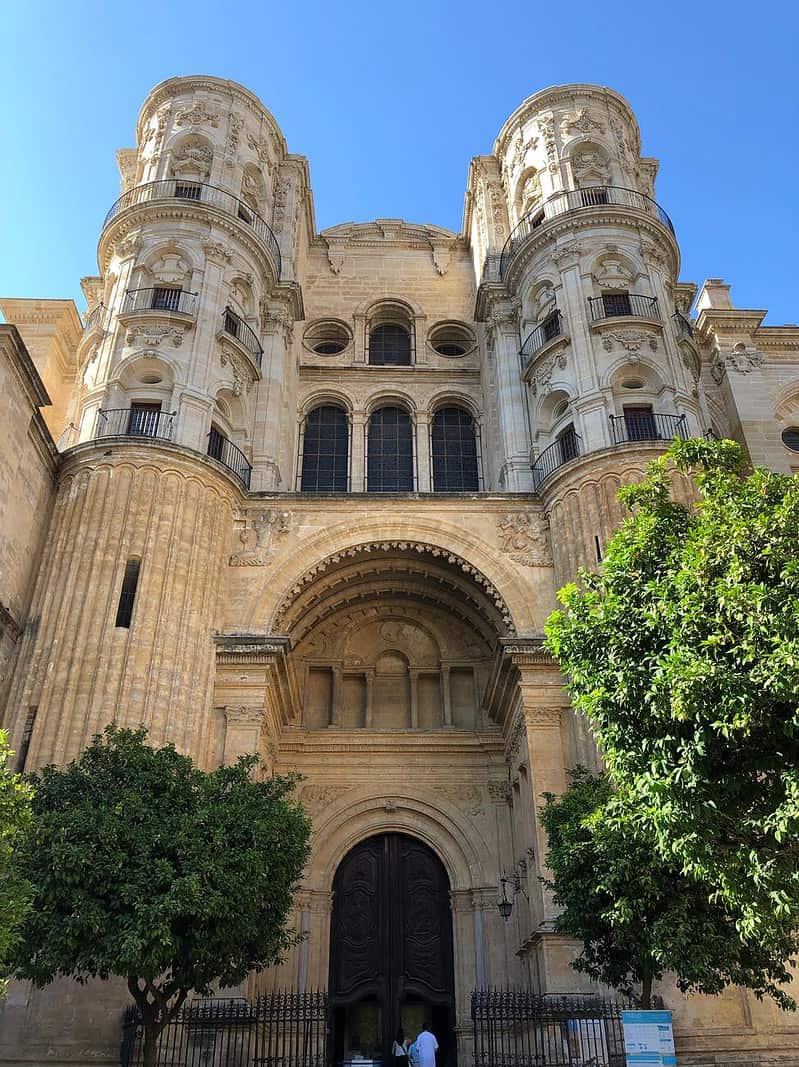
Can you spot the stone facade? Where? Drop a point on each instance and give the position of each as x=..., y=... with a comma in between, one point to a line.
x=386, y=645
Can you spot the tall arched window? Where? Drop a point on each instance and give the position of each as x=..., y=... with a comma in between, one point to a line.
x=390, y=344
x=390, y=452
x=325, y=460
x=454, y=448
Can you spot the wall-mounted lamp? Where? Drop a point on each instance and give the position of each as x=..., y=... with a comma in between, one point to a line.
x=505, y=903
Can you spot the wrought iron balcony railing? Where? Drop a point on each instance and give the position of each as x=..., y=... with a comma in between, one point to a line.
x=574, y=200
x=244, y=333
x=551, y=327
x=614, y=305
x=159, y=298
x=134, y=422
x=568, y=446
x=682, y=326
x=179, y=189
x=646, y=426
x=223, y=450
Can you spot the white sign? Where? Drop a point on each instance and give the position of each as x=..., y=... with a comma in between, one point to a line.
x=648, y=1039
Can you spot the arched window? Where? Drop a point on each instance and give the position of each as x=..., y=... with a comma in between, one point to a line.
x=454, y=448
x=325, y=460
x=390, y=344
x=390, y=452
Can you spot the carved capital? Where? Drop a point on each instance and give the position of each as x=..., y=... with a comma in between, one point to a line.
x=542, y=718
x=242, y=715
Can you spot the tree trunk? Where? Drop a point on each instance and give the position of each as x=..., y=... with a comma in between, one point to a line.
x=646, y=994
x=152, y=1031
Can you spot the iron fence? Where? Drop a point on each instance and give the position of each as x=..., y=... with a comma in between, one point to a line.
x=244, y=333
x=550, y=328
x=159, y=298
x=568, y=200
x=199, y=192
x=568, y=446
x=282, y=1029
x=643, y=425
x=682, y=325
x=134, y=422
x=229, y=455
x=611, y=305
x=514, y=1028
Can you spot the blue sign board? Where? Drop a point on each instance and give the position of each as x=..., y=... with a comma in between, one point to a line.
x=648, y=1039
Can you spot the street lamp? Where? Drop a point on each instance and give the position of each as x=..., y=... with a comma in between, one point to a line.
x=504, y=906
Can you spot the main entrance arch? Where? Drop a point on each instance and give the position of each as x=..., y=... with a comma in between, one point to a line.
x=391, y=961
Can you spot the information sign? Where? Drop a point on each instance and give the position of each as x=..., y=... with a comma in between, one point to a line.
x=648, y=1039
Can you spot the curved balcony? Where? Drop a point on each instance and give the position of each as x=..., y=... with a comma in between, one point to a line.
x=159, y=298
x=568, y=446
x=235, y=326
x=134, y=422
x=623, y=305
x=682, y=326
x=199, y=192
x=226, y=453
x=546, y=331
x=569, y=200
x=95, y=318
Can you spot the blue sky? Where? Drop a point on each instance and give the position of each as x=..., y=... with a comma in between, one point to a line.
x=389, y=102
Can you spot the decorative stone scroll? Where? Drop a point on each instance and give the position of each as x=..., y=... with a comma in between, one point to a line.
x=542, y=379
x=523, y=536
x=155, y=335
x=630, y=340
x=197, y=114
x=261, y=529
x=581, y=121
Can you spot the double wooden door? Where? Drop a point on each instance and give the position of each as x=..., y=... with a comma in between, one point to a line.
x=391, y=944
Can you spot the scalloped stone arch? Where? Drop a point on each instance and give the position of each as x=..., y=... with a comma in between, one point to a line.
x=313, y=557
x=439, y=824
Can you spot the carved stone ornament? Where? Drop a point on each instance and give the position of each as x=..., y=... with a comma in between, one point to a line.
x=233, y=137
x=581, y=120
x=504, y=317
x=630, y=340
x=260, y=529
x=590, y=168
x=441, y=258
x=467, y=797
x=530, y=193
x=241, y=715
x=282, y=192
x=512, y=746
x=128, y=245
x=127, y=161
x=613, y=273
x=542, y=718
x=542, y=378
x=320, y=796
x=335, y=256
x=500, y=792
x=546, y=125
x=743, y=359
x=523, y=536
x=170, y=268
x=654, y=255
x=193, y=159
x=262, y=150
x=196, y=114
x=153, y=336
x=215, y=250
x=567, y=255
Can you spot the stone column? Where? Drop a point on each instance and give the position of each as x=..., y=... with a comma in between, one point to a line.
x=357, y=452
x=504, y=338
x=446, y=697
x=271, y=427
x=335, y=702
x=424, y=481
x=370, y=690
x=414, y=688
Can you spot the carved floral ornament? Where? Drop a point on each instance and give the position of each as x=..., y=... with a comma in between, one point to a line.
x=260, y=529
x=241, y=715
x=581, y=121
x=146, y=334
x=523, y=535
x=467, y=797
x=217, y=251
x=198, y=113
x=129, y=245
x=632, y=341
x=242, y=373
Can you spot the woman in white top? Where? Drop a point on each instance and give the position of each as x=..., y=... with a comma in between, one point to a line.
x=399, y=1050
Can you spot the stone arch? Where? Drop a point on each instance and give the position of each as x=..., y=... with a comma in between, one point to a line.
x=325, y=396
x=190, y=157
x=786, y=404
x=390, y=398
x=589, y=162
x=452, y=398
x=436, y=822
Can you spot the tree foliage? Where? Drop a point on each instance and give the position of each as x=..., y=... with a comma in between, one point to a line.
x=684, y=654
x=15, y=796
x=636, y=914
x=146, y=867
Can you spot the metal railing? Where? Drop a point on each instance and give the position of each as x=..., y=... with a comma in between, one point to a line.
x=276, y=1030
x=199, y=192
x=226, y=453
x=95, y=317
x=574, y=200
x=683, y=327
x=647, y=426
x=134, y=422
x=567, y=447
x=159, y=298
x=513, y=1028
x=236, y=326
x=551, y=327
x=615, y=305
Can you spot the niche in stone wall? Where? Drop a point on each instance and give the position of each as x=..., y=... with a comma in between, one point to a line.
x=318, y=698
x=462, y=697
x=191, y=158
x=353, y=702
x=391, y=706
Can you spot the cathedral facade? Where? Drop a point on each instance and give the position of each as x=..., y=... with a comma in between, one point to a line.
x=311, y=494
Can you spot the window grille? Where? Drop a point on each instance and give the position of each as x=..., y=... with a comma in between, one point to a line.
x=640, y=423
x=616, y=304
x=568, y=443
x=127, y=594
x=454, y=448
x=143, y=420
x=188, y=191
x=390, y=345
x=166, y=298
x=325, y=458
x=390, y=452
x=216, y=443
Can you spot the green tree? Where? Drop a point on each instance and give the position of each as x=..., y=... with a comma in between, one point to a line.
x=684, y=654
x=146, y=867
x=636, y=914
x=15, y=796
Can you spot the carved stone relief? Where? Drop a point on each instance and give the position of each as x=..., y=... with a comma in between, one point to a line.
x=216, y=251
x=523, y=535
x=467, y=797
x=546, y=126
x=155, y=335
x=581, y=121
x=193, y=159
x=236, y=124
x=630, y=340
x=198, y=113
x=542, y=379
x=743, y=359
x=260, y=530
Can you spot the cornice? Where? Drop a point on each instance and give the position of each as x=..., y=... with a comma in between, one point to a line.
x=150, y=211
x=32, y=383
x=778, y=337
x=732, y=320
x=250, y=649
x=207, y=83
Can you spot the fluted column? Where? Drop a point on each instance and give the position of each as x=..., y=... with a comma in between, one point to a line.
x=503, y=331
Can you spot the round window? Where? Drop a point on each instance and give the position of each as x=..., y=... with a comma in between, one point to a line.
x=790, y=438
x=327, y=338
x=632, y=383
x=451, y=339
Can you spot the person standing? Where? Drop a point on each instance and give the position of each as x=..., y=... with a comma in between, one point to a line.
x=427, y=1046
x=399, y=1050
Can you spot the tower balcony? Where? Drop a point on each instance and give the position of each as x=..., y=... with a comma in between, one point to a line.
x=177, y=190
x=243, y=334
x=570, y=201
x=160, y=300
x=634, y=427
x=139, y=420
x=623, y=305
x=542, y=338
